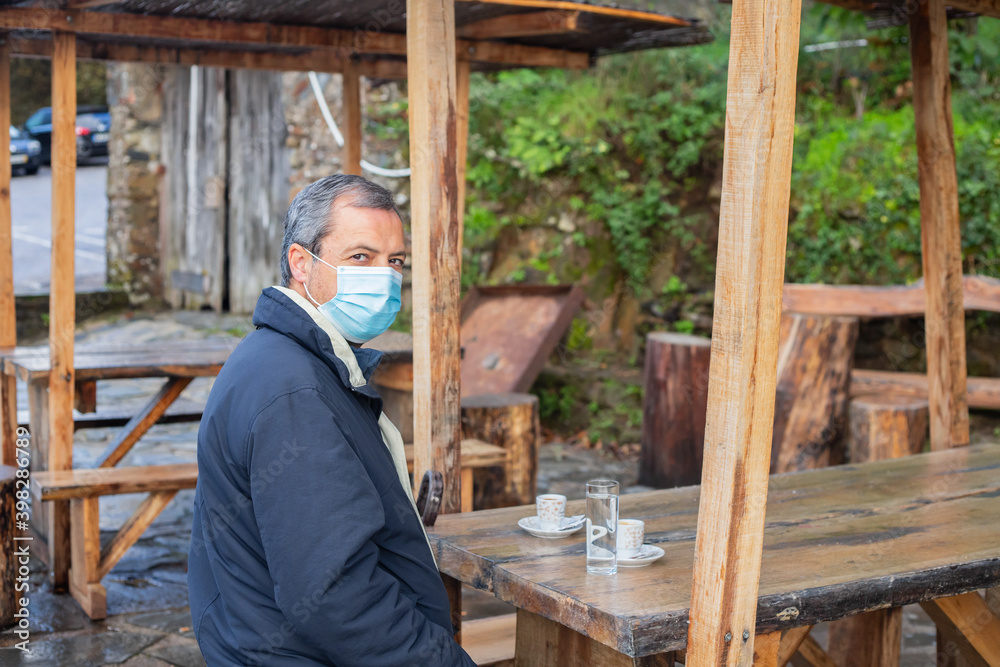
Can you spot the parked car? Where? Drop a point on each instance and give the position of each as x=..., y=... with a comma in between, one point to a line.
x=93, y=127
x=25, y=152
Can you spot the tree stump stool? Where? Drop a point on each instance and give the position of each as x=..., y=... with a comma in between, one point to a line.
x=510, y=421
x=887, y=426
x=8, y=558
x=674, y=408
x=882, y=426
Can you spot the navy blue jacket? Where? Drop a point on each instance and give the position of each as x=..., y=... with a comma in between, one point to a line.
x=305, y=548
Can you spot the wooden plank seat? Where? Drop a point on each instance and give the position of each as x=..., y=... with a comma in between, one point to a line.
x=83, y=489
x=181, y=411
x=873, y=301
x=475, y=454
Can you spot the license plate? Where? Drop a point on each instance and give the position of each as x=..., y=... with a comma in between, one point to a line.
x=18, y=159
x=100, y=138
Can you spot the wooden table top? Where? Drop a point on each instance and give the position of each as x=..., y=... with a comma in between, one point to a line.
x=103, y=362
x=837, y=541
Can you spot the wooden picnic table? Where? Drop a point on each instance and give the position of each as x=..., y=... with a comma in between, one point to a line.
x=837, y=541
x=178, y=363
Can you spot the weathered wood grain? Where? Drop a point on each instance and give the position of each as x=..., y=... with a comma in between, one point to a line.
x=8, y=558
x=8, y=318
x=969, y=615
x=62, y=297
x=940, y=240
x=201, y=359
x=462, y=79
x=133, y=529
x=982, y=392
x=815, y=357
x=753, y=221
x=978, y=293
x=674, y=408
x=256, y=182
x=886, y=426
x=838, y=541
x=430, y=47
x=353, y=122
x=765, y=649
x=93, y=482
x=544, y=643
x=522, y=25
x=510, y=421
x=873, y=639
x=791, y=639
x=142, y=421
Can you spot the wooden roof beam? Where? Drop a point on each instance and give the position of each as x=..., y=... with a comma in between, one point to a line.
x=147, y=27
x=318, y=61
x=522, y=25
x=600, y=10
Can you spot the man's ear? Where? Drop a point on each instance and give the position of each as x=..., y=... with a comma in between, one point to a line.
x=299, y=262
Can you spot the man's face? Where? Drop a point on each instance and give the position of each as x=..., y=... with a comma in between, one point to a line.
x=360, y=237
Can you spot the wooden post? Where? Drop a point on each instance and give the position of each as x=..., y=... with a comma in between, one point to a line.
x=753, y=223
x=462, y=75
x=8, y=317
x=62, y=299
x=510, y=421
x=674, y=409
x=430, y=43
x=352, y=120
x=939, y=224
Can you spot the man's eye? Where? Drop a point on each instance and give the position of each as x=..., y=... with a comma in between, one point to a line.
x=360, y=257
x=397, y=261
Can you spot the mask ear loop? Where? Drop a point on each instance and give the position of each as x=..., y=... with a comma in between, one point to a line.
x=306, y=284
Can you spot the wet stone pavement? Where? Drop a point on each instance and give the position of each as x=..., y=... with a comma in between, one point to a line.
x=149, y=623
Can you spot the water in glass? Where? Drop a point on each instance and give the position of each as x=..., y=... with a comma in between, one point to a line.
x=602, y=526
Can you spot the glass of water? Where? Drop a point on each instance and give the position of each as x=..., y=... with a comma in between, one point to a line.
x=602, y=526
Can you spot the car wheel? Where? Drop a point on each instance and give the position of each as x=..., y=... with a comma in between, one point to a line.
x=31, y=171
x=84, y=149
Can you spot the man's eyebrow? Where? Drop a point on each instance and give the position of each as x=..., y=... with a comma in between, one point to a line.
x=374, y=251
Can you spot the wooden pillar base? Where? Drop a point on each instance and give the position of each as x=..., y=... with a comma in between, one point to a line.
x=544, y=643
x=84, y=576
x=8, y=558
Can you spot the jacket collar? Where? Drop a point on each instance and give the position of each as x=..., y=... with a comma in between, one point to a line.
x=287, y=312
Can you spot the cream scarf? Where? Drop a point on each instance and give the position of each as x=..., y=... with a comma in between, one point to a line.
x=390, y=434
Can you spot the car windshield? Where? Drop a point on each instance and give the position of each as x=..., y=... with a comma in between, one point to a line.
x=14, y=133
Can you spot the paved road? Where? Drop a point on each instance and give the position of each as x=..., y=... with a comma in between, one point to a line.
x=31, y=208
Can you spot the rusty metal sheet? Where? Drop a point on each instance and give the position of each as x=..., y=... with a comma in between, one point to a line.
x=508, y=332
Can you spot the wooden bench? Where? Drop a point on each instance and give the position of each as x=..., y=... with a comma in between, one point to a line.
x=182, y=411
x=490, y=641
x=475, y=454
x=978, y=293
x=83, y=489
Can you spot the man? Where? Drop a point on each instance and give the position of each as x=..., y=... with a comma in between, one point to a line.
x=306, y=546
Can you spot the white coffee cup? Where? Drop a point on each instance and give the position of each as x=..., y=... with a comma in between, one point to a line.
x=551, y=509
x=631, y=533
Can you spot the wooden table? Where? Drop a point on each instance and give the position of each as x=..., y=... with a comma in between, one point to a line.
x=837, y=541
x=179, y=363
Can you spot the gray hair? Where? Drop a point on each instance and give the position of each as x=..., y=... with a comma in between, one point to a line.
x=309, y=219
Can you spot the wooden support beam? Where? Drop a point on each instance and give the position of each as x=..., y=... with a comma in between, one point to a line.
x=8, y=316
x=133, y=529
x=600, y=10
x=62, y=297
x=766, y=648
x=522, y=25
x=873, y=639
x=969, y=616
x=434, y=215
x=84, y=582
x=149, y=27
x=753, y=222
x=939, y=224
x=318, y=60
x=142, y=421
x=812, y=653
x=462, y=75
x=790, y=642
x=353, y=133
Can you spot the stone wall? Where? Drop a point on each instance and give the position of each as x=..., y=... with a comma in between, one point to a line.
x=134, y=171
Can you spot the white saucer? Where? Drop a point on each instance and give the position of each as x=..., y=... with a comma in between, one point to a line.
x=646, y=555
x=571, y=524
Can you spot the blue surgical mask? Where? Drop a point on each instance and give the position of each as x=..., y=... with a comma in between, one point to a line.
x=367, y=300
